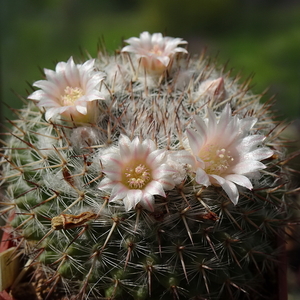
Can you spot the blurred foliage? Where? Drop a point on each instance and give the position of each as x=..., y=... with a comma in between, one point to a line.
x=257, y=36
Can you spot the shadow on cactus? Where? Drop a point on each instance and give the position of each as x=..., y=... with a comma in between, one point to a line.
x=148, y=174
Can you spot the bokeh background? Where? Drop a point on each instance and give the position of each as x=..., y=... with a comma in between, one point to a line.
x=259, y=38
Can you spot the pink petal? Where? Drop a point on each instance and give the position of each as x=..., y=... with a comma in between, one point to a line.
x=162, y=172
x=167, y=183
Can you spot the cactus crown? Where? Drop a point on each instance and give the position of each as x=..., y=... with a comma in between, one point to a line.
x=148, y=174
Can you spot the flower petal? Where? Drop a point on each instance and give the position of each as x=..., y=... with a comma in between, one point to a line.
x=148, y=201
x=232, y=191
x=155, y=188
x=133, y=197
x=195, y=141
x=247, y=166
x=240, y=180
x=202, y=177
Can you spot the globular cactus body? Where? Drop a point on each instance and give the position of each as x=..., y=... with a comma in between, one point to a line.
x=152, y=175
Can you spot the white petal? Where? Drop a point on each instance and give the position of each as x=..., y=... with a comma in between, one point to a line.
x=137, y=148
x=106, y=184
x=61, y=66
x=113, y=173
x=162, y=171
x=147, y=201
x=37, y=95
x=232, y=191
x=156, y=158
x=195, y=141
x=247, y=166
x=119, y=192
x=250, y=142
x=164, y=60
x=50, y=113
x=128, y=203
x=155, y=188
x=247, y=123
x=48, y=87
x=183, y=157
x=211, y=124
x=225, y=116
x=125, y=146
x=88, y=65
x=167, y=183
x=81, y=109
x=201, y=127
x=240, y=180
x=96, y=95
x=259, y=154
x=202, y=177
x=217, y=180
x=133, y=197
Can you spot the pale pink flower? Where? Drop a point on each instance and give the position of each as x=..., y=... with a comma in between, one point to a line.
x=154, y=51
x=70, y=91
x=136, y=172
x=225, y=153
x=213, y=88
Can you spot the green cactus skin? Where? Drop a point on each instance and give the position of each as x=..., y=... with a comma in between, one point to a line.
x=195, y=245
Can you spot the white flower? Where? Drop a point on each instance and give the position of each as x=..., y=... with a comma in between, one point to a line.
x=70, y=90
x=154, y=51
x=136, y=172
x=225, y=154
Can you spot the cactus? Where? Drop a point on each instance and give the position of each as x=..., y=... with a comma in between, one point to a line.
x=147, y=174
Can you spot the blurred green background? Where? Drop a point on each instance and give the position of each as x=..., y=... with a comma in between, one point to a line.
x=257, y=37
x=260, y=37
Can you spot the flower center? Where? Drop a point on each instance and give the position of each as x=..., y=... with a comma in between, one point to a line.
x=71, y=94
x=137, y=177
x=217, y=160
x=156, y=50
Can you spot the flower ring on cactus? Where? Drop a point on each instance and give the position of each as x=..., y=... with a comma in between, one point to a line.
x=226, y=154
x=125, y=207
x=136, y=172
x=154, y=52
x=71, y=91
